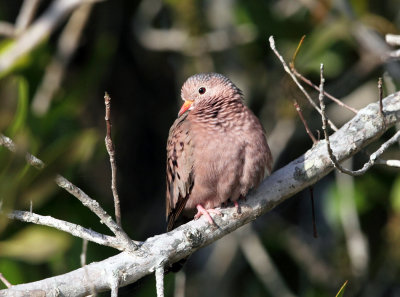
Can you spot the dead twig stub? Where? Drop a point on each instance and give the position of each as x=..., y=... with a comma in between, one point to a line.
x=5, y=281
x=298, y=109
x=111, y=153
x=314, y=223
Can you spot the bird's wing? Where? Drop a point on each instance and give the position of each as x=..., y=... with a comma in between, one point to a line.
x=180, y=174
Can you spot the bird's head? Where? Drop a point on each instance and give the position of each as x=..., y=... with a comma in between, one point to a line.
x=207, y=88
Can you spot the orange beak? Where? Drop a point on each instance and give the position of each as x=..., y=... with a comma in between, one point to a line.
x=185, y=107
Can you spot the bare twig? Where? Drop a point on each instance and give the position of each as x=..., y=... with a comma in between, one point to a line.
x=30, y=159
x=111, y=153
x=390, y=163
x=392, y=39
x=5, y=281
x=7, y=29
x=186, y=239
x=26, y=14
x=73, y=229
x=114, y=291
x=395, y=138
x=92, y=204
x=95, y=207
x=160, y=280
x=285, y=66
x=298, y=109
x=309, y=82
x=314, y=224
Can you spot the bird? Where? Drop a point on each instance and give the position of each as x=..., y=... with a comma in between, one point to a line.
x=216, y=150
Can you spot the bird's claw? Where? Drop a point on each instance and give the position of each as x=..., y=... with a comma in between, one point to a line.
x=206, y=212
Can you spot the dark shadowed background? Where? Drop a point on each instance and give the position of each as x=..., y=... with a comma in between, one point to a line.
x=141, y=52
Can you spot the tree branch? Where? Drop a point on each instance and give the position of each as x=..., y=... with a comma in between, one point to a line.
x=92, y=204
x=287, y=69
x=75, y=230
x=306, y=170
x=111, y=152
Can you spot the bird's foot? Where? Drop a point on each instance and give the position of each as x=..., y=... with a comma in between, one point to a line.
x=237, y=206
x=206, y=212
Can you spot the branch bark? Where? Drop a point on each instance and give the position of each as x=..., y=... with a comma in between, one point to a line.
x=168, y=248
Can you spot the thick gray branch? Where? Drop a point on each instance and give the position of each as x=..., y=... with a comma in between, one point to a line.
x=306, y=170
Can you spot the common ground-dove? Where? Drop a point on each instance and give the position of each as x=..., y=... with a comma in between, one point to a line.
x=216, y=150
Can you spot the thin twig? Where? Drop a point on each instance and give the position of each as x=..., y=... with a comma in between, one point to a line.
x=392, y=39
x=5, y=281
x=30, y=159
x=7, y=29
x=111, y=153
x=92, y=204
x=114, y=287
x=307, y=81
x=310, y=83
x=26, y=14
x=95, y=207
x=373, y=157
x=314, y=224
x=73, y=229
x=298, y=109
x=160, y=280
x=285, y=66
x=390, y=163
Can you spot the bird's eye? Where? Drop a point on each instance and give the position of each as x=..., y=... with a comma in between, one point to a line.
x=202, y=90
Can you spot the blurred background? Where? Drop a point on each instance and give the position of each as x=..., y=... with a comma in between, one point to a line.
x=140, y=52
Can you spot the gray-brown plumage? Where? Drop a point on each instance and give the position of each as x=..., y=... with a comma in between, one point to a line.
x=216, y=150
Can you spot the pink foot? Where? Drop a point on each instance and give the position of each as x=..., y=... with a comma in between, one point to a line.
x=237, y=207
x=206, y=212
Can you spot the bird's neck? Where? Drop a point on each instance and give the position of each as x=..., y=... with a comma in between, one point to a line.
x=217, y=112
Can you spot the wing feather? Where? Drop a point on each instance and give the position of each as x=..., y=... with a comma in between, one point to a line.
x=180, y=174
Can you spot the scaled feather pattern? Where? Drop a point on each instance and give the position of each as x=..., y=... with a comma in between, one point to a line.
x=216, y=150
